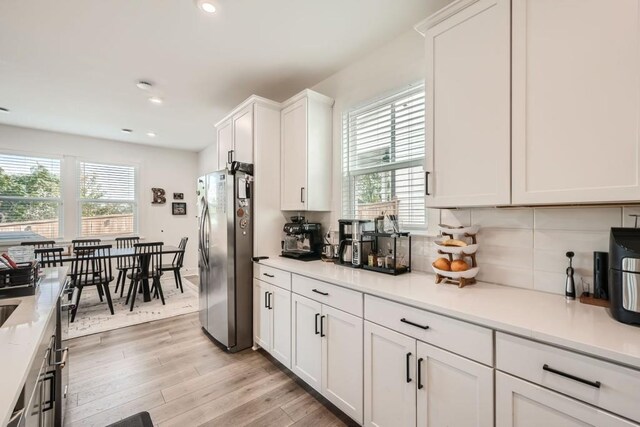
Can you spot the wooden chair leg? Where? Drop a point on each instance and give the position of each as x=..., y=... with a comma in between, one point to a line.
x=175, y=276
x=100, y=293
x=75, y=310
x=159, y=288
x=179, y=276
x=130, y=290
x=130, y=284
x=108, y=295
x=118, y=281
x=133, y=295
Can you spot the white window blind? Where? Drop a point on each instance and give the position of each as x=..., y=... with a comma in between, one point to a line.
x=30, y=197
x=382, y=160
x=107, y=199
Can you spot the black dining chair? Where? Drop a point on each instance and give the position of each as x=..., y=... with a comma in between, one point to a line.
x=176, y=264
x=49, y=257
x=124, y=264
x=92, y=267
x=147, y=263
x=39, y=243
x=76, y=243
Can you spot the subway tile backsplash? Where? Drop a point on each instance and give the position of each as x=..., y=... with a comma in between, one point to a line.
x=526, y=247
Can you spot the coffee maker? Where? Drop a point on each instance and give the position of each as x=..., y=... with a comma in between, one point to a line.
x=624, y=274
x=302, y=240
x=354, y=243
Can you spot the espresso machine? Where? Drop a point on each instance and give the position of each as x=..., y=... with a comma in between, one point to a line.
x=355, y=245
x=624, y=274
x=302, y=240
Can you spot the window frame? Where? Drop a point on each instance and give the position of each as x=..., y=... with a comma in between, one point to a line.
x=59, y=199
x=80, y=201
x=348, y=176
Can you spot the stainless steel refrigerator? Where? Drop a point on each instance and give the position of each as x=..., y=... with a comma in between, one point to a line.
x=225, y=250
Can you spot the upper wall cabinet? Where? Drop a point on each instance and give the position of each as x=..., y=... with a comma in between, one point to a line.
x=306, y=152
x=225, y=143
x=576, y=109
x=235, y=137
x=468, y=104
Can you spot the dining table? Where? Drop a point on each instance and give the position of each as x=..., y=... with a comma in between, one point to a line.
x=145, y=259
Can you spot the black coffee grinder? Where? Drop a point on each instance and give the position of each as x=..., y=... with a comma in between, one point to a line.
x=624, y=274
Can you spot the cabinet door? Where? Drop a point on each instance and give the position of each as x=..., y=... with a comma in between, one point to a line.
x=225, y=143
x=306, y=344
x=389, y=380
x=452, y=390
x=294, y=156
x=342, y=368
x=281, y=325
x=468, y=106
x=243, y=135
x=576, y=74
x=523, y=404
x=262, y=314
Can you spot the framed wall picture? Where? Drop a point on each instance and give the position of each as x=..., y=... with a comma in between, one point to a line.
x=178, y=196
x=179, y=208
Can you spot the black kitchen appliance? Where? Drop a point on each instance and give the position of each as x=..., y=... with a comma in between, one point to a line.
x=302, y=240
x=624, y=274
x=601, y=275
x=354, y=244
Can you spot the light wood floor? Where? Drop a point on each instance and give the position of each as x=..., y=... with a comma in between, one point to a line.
x=171, y=369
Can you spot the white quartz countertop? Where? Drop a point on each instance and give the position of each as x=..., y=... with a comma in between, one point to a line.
x=20, y=336
x=537, y=315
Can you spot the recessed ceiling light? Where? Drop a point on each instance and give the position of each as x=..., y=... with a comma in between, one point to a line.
x=151, y=134
x=156, y=100
x=206, y=6
x=4, y=110
x=144, y=85
x=127, y=130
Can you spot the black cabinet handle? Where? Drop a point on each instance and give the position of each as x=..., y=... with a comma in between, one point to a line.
x=420, y=385
x=48, y=405
x=426, y=183
x=301, y=194
x=270, y=294
x=408, y=367
x=317, y=331
x=266, y=299
x=268, y=275
x=320, y=292
x=408, y=322
x=595, y=384
x=230, y=156
x=322, y=334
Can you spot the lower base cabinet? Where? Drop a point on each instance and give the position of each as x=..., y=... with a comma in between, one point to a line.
x=327, y=353
x=408, y=382
x=523, y=404
x=272, y=320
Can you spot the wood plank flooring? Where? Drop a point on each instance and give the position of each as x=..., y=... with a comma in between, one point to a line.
x=171, y=369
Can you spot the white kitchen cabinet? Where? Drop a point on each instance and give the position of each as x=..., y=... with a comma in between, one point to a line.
x=523, y=404
x=306, y=123
x=243, y=135
x=342, y=360
x=272, y=320
x=389, y=388
x=576, y=74
x=468, y=104
x=225, y=143
x=452, y=390
x=306, y=344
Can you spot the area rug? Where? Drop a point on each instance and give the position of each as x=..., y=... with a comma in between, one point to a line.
x=93, y=316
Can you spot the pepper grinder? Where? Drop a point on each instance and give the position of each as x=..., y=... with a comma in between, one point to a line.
x=570, y=287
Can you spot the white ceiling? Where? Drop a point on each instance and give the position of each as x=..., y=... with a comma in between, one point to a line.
x=71, y=65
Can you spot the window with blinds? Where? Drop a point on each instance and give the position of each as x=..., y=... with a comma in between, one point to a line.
x=107, y=199
x=382, y=159
x=30, y=198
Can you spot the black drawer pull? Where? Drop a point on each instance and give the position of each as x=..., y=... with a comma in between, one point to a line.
x=408, y=367
x=268, y=275
x=595, y=384
x=408, y=322
x=420, y=385
x=320, y=292
x=426, y=184
x=317, y=331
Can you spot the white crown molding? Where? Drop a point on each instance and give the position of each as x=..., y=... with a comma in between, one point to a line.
x=253, y=99
x=443, y=14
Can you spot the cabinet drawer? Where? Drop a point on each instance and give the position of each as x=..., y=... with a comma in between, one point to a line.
x=603, y=384
x=465, y=339
x=272, y=275
x=326, y=293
